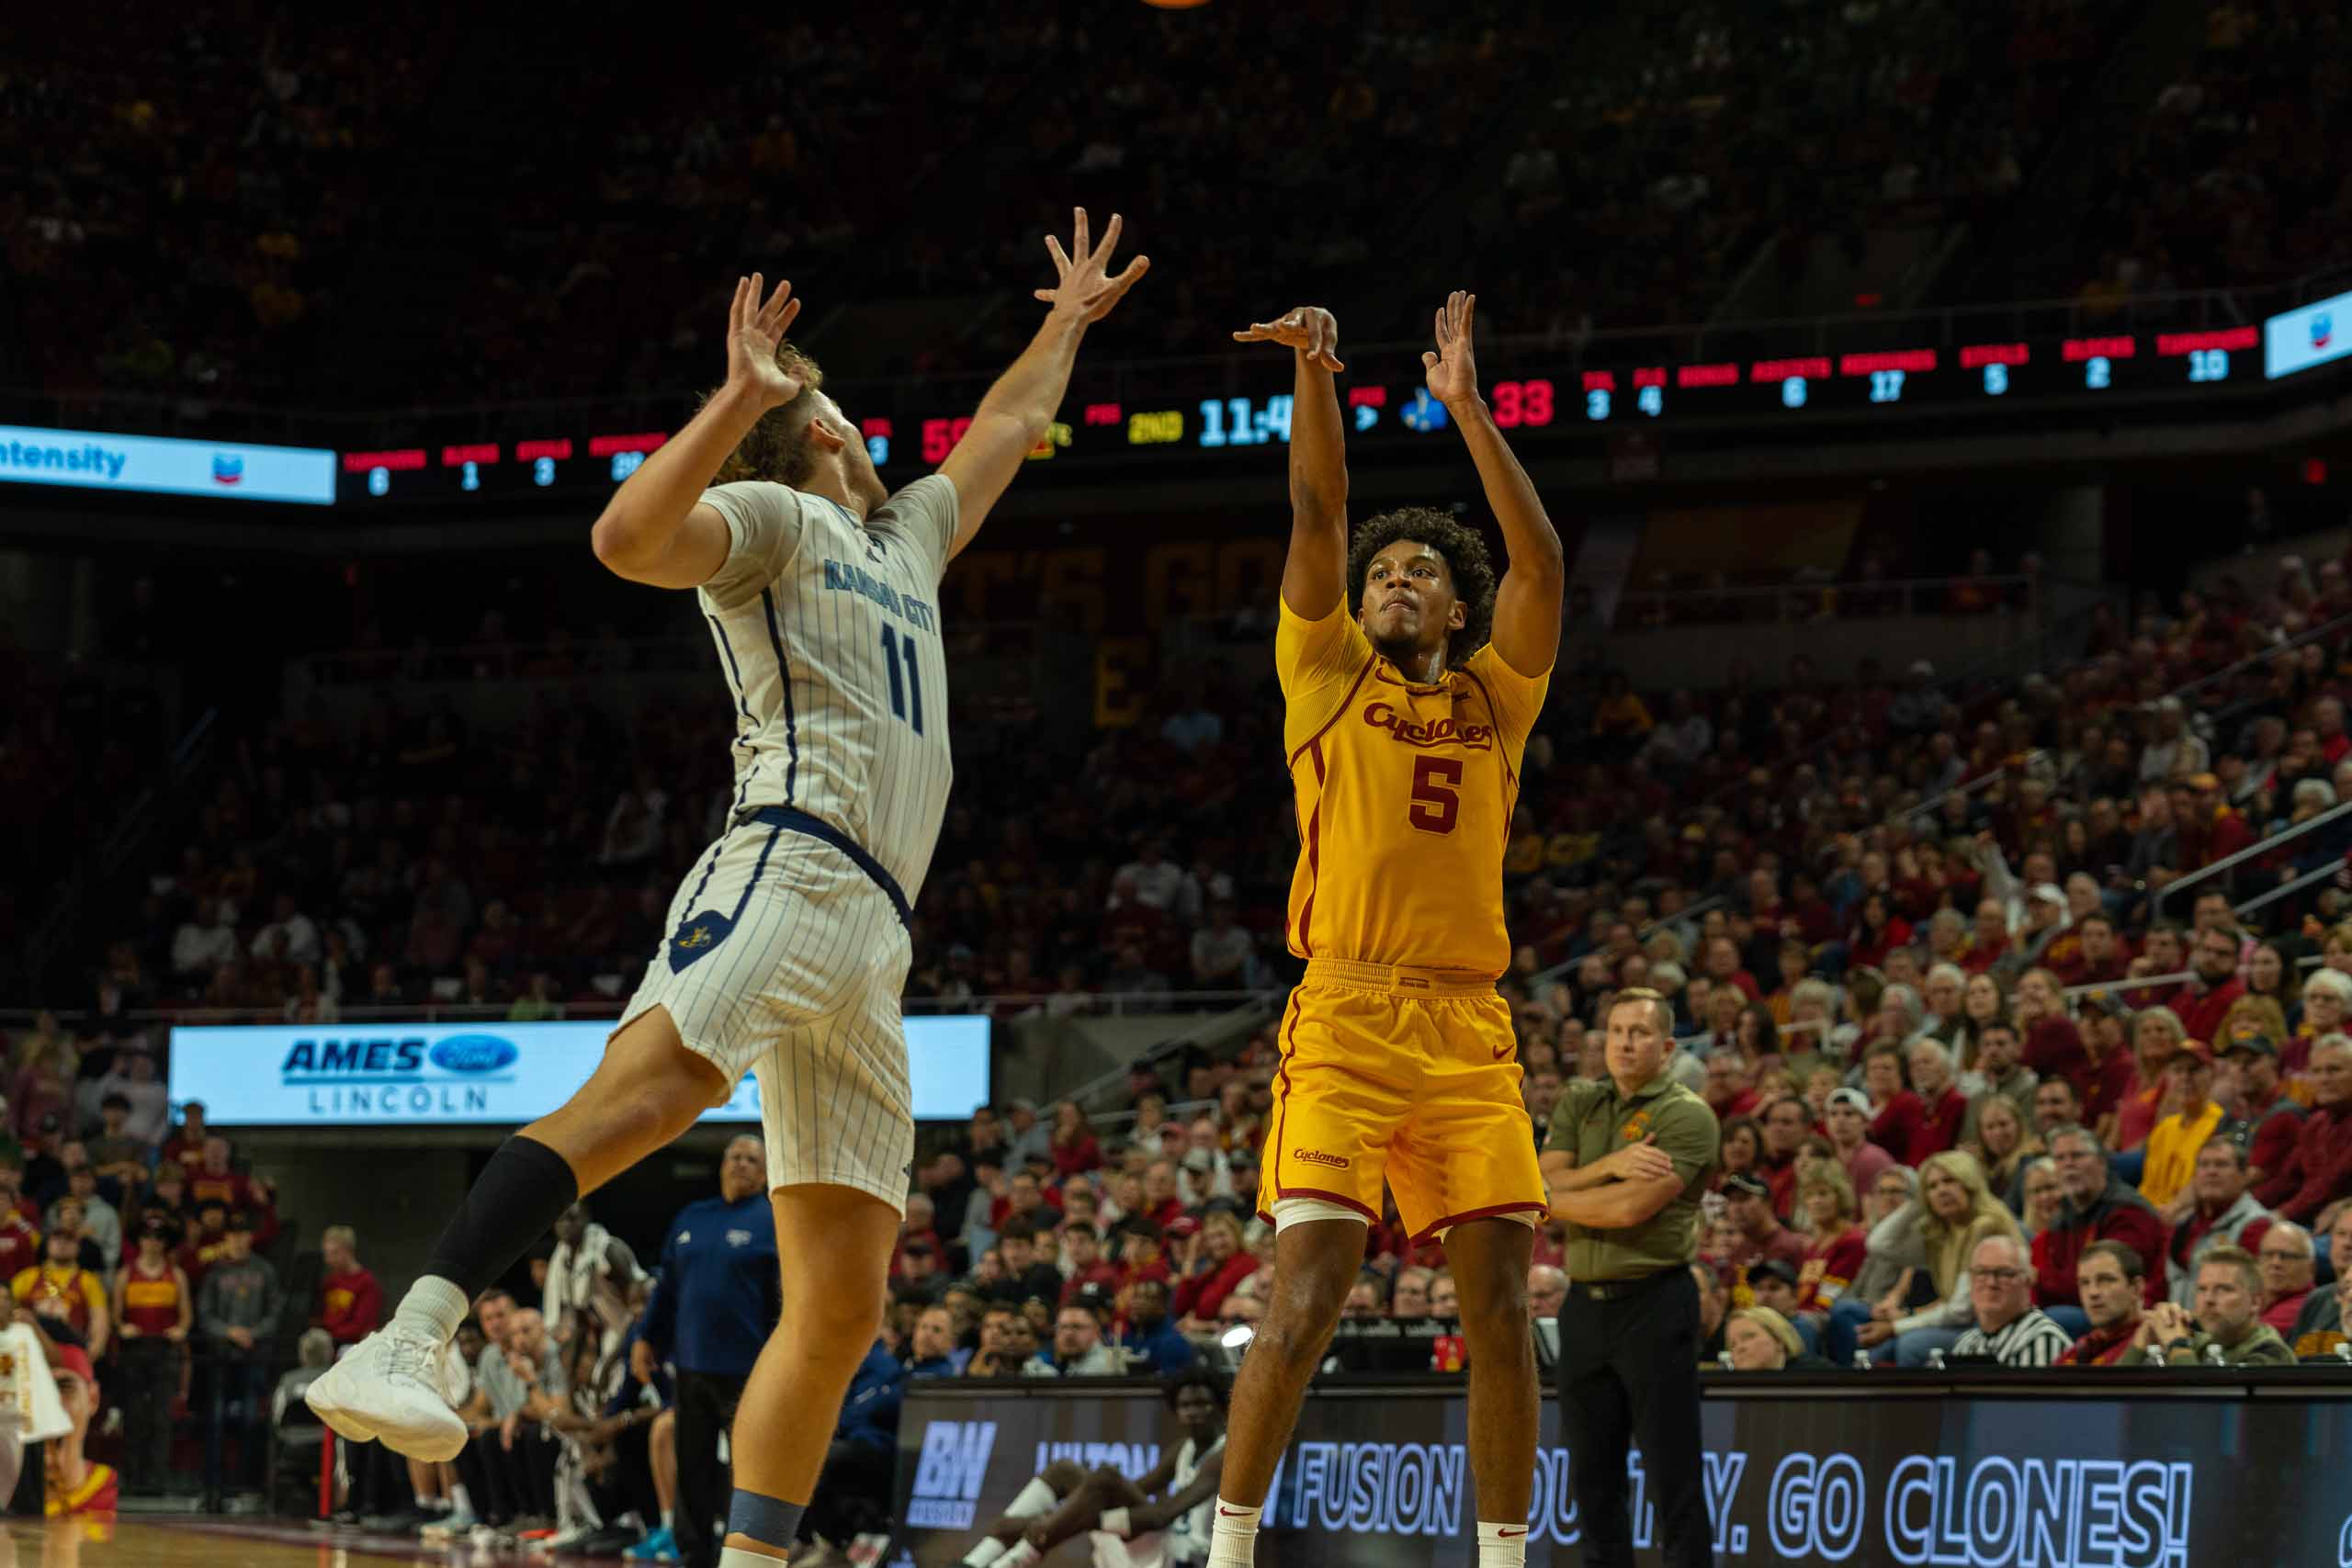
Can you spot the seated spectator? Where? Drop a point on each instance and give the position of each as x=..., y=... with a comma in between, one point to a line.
x=1547, y=1293
x=1714, y=1307
x=1025, y=1274
x=1084, y=1263
x=1215, y=1261
x=2113, y=1283
x=2098, y=1208
x=852, y=1492
x=2187, y=1116
x=2221, y=1212
x=1748, y=1206
x=1837, y=1251
x=2320, y=1169
x=2226, y=1330
x=933, y=1351
x=1758, y=1339
x=2043, y=1196
x=2320, y=1331
x=1784, y=1126
x=1074, y=1147
x=1925, y=1119
x=2254, y=1093
x=1151, y=1340
x=1956, y=1214
x=2002, y=1145
x=1079, y=1349
x=1771, y=1283
x=2010, y=1328
x=1848, y=1120
x=2288, y=1274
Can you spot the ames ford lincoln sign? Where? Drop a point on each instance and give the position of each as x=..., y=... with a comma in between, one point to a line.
x=493, y=1074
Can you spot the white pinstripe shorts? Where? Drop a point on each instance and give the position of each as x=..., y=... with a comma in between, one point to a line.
x=785, y=958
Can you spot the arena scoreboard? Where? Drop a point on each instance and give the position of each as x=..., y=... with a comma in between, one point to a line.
x=906, y=432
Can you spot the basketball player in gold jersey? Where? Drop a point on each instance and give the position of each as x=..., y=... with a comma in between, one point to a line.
x=1411, y=680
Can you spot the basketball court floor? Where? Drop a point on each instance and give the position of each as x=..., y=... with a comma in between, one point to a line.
x=148, y=1542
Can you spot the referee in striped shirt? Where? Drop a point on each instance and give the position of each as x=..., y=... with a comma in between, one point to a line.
x=2010, y=1328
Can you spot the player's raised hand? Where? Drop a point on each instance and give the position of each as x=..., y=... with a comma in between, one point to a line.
x=1084, y=288
x=754, y=331
x=1310, y=329
x=1451, y=370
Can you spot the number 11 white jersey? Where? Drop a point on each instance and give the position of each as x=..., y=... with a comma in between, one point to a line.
x=829, y=635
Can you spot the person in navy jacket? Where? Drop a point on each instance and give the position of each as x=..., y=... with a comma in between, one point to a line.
x=718, y=1300
x=852, y=1495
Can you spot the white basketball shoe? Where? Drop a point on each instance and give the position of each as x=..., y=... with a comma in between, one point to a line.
x=395, y=1389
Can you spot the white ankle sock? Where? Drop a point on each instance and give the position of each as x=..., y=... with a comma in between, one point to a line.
x=670, y=1519
x=1233, y=1542
x=1502, y=1545
x=435, y=1306
x=984, y=1550
x=1020, y=1554
x=735, y=1557
x=1033, y=1499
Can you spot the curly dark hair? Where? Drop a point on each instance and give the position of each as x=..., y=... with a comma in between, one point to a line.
x=1466, y=559
x=1195, y=1376
x=777, y=447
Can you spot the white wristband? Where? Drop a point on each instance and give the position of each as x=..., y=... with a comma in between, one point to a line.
x=1115, y=1522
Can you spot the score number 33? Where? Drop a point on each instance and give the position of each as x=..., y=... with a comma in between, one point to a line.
x=1437, y=801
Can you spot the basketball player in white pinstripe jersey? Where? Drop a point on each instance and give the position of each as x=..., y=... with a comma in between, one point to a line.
x=787, y=944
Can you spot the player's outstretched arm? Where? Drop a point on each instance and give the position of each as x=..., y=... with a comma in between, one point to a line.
x=1015, y=414
x=1314, y=575
x=1527, y=604
x=654, y=530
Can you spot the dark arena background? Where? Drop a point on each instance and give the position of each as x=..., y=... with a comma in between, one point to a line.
x=1943, y=407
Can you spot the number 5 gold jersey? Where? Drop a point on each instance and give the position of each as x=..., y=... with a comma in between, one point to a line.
x=1404, y=794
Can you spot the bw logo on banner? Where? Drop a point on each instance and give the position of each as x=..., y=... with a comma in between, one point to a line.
x=948, y=1478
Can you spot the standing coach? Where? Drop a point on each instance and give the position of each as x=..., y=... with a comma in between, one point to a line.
x=1626, y=1160
x=710, y=1315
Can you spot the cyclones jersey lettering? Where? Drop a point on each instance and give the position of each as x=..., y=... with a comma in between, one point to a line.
x=1404, y=795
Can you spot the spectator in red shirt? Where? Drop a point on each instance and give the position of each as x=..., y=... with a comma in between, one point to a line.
x=1835, y=1253
x=1785, y=1124
x=185, y=1146
x=2327, y=725
x=1139, y=1252
x=2251, y=1091
x=2320, y=1170
x=1075, y=1148
x=1875, y=933
x=1848, y=1119
x=2163, y=950
x=1925, y=1119
x=1162, y=1205
x=2289, y=1270
x=1083, y=1264
x=19, y=1227
x=2091, y=1057
x=213, y=1178
x=2205, y=1000
x=2112, y=1280
x=1730, y=1086
x=2157, y=1037
x=1724, y=968
x=2091, y=953
x=351, y=1304
x=2098, y=1208
x=1215, y=1261
x=1748, y=1204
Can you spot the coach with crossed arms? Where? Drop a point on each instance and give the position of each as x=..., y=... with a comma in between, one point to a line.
x=1627, y=1159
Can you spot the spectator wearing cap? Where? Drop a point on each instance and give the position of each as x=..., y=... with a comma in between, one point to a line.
x=2098, y=1208
x=237, y=1309
x=2289, y=1272
x=2204, y=1001
x=2320, y=1169
x=2008, y=1328
x=1848, y=1119
x=2191, y=1116
x=1151, y=1340
x=2226, y=1329
x=2252, y=1092
x=74, y=1485
x=2221, y=1212
x=2112, y=1279
x=1079, y=1349
x=1748, y=1204
x=153, y=1310
x=62, y=1287
x=2091, y=1059
x=1772, y=1282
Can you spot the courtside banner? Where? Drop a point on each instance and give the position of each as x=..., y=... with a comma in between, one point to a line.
x=1377, y=1477
x=486, y=1074
x=91, y=459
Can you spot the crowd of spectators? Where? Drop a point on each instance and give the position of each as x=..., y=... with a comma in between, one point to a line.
x=395, y=214
x=2228, y=180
